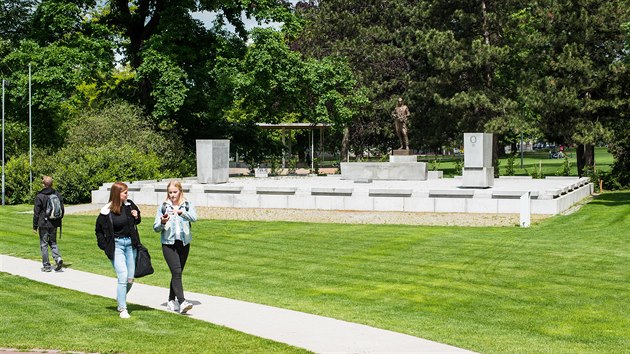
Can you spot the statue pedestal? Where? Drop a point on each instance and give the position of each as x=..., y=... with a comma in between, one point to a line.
x=213, y=161
x=399, y=168
x=402, y=152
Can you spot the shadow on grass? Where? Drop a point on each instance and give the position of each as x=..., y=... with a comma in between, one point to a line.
x=612, y=199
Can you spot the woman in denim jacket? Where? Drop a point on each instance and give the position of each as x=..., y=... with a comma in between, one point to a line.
x=172, y=220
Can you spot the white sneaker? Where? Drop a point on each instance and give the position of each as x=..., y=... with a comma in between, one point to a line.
x=124, y=314
x=173, y=305
x=185, y=307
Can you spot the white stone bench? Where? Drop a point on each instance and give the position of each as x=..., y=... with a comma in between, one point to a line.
x=451, y=193
x=223, y=189
x=340, y=192
x=513, y=194
x=163, y=187
x=276, y=190
x=554, y=192
x=134, y=187
x=390, y=192
x=516, y=177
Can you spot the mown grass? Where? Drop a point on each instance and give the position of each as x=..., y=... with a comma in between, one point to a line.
x=533, y=161
x=560, y=286
x=36, y=315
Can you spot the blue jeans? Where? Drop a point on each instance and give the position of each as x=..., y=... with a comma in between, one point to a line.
x=124, y=263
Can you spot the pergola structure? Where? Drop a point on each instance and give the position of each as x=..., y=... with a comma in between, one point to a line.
x=299, y=126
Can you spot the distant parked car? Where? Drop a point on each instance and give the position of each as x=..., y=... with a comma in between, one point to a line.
x=539, y=146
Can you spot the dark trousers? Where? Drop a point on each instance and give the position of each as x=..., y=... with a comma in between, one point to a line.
x=48, y=238
x=176, y=256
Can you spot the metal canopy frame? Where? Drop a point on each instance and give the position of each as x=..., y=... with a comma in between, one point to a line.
x=299, y=126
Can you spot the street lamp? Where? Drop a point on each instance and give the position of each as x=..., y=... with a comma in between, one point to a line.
x=521, y=149
x=3, y=81
x=30, y=131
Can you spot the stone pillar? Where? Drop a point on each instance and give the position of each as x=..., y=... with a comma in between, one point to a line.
x=478, y=170
x=213, y=161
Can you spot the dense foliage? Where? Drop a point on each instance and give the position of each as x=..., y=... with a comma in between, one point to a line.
x=551, y=70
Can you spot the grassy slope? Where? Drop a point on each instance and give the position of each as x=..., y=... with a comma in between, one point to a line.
x=557, y=287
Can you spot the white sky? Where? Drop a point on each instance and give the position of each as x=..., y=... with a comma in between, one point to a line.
x=207, y=17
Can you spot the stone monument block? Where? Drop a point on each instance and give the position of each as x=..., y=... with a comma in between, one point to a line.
x=478, y=177
x=478, y=170
x=396, y=171
x=477, y=150
x=402, y=152
x=403, y=158
x=213, y=161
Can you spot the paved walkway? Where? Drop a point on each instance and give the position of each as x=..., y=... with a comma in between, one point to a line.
x=315, y=333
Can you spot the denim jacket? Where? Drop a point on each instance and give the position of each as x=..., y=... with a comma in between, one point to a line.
x=175, y=222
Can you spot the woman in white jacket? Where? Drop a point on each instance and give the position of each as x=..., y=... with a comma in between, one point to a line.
x=172, y=220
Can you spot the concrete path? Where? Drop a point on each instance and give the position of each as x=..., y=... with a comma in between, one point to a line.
x=315, y=333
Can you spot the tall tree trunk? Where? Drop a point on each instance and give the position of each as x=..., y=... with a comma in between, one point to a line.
x=579, y=159
x=344, y=144
x=495, y=154
x=585, y=158
x=589, y=156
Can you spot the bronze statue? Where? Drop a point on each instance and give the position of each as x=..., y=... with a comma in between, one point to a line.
x=400, y=115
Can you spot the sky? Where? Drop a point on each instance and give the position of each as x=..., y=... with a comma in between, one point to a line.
x=207, y=17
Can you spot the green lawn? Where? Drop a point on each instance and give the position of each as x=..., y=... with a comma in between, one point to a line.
x=560, y=286
x=532, y=161
x=36, y=315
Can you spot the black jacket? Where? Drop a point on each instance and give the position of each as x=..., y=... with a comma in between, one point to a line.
x=39, y=211
x=105, y=230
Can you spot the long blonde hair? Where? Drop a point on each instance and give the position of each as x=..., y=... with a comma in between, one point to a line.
x=114, y=196
x=178, y=185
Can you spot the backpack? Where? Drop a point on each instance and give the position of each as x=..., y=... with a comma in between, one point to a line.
x=54, y=210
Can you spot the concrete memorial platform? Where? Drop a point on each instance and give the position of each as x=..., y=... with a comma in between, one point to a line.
x=549, y=196
x=402, y=184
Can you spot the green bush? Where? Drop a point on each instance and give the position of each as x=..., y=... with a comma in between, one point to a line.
x=537, y=172
x=292, y=165
x=124, y=123
x=459, y=166
x=565, y=169
x=435, y=163
x=80, y=172
x=275, y=166
x=17, y=176
x=509, y=167
x=110, y=144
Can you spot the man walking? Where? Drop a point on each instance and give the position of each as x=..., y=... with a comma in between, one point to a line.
x=47, y=215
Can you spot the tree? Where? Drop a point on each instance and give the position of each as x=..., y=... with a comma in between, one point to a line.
x=65, y=51
x=444, y=59
x=574, y=91
x=14, y=19
x=167, y=27
x=619, y=144
x=273, y=84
